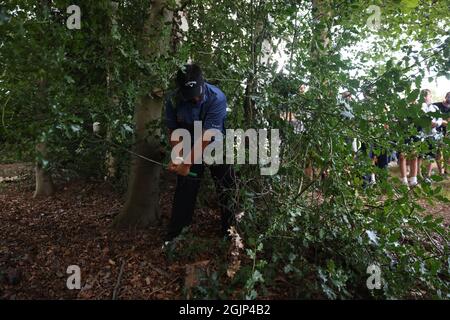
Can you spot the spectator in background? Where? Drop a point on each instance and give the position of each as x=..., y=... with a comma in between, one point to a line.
x=379, y=155
x=347, y=113
x=444, y=108
x=407, y=156
x=433, y=134
x=347, y=110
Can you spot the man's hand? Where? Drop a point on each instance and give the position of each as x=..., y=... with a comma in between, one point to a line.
x=181, y=169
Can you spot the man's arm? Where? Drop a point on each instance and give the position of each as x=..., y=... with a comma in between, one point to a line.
x=214, y=119
x=171, y=124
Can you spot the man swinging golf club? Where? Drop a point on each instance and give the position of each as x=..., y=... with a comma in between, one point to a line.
x=196, y=100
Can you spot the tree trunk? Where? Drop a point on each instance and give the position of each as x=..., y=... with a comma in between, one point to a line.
x=110, y=160
x=249, y=104
x=142, y=205
x=257, y=38
x=44, y=182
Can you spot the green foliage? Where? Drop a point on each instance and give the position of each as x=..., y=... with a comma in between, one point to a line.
x=318, y=236
x=323, y=234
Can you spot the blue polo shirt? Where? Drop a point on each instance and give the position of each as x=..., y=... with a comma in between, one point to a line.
x=213, y=104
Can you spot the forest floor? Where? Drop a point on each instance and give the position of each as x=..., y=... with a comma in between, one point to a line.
x=40, y=238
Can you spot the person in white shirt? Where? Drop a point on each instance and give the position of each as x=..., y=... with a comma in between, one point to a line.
x=441, y=160
x=432, y=133
x=408, y=157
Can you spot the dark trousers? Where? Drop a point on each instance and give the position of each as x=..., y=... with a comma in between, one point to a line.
x=186, y=196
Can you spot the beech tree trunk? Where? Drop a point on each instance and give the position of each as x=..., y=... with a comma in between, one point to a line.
x=110, y=160
x=142, y=204
x=44, y=183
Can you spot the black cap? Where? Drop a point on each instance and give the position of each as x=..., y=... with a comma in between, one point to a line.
x=190, y=81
